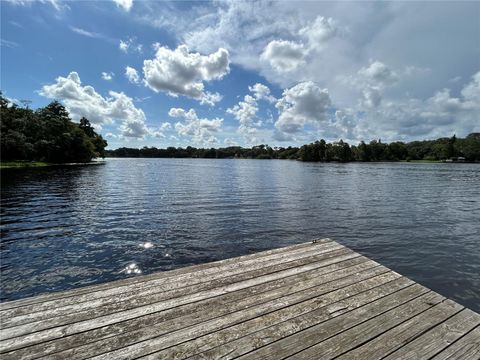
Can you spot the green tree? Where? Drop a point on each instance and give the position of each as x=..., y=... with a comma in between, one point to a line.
x=364, y=152
x=471, y=147
x=87, y=127
x=450, y=150
x=47, y=134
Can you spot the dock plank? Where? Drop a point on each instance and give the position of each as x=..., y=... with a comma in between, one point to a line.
x=76, y=294
x=168, y=281
x=311, y=335
x=148, y=339
x=242, y=338
x=402, y=334
x=466, y=348
x=438, y=338
x=277, y=280
x=310, y=300
x=152, y=293
x=362, y=333
x=251, y=295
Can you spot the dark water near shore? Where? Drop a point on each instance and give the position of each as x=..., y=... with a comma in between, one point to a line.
x=72, y=226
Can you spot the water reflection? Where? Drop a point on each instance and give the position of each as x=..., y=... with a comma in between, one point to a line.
x=67, y=227
x=132, y=269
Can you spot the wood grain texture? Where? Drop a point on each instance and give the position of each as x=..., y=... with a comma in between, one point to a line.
x=76, y=293
x=466, y=348
x=311, y=335
x=169, y=280
x=306, y=301
x=242, y=338
x=402, y=334
x=369, y=329
x=438, y=338
x=151, y=344
x=156, y=314
x=154, y=290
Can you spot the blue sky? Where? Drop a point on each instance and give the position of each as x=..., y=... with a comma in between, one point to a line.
x=214, y=74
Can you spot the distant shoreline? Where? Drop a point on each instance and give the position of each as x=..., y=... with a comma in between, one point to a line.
x=40, y=164
x=451, y=149
x=331, y=161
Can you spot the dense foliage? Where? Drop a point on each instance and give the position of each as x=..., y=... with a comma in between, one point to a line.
x=47, y=134
x=440, y=149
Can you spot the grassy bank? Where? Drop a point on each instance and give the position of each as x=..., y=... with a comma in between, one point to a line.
x=22, y=164
x=38, y=164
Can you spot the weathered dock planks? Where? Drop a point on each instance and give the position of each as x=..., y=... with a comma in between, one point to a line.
x=316, y=300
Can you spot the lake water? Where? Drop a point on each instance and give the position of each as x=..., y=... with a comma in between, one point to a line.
x=66, y=227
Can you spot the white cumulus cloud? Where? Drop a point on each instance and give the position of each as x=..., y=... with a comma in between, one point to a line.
x=85, y=101
x=377, y=73
x=246, y=111
x=284, y=55
x=181, y=72
x=439, y=115
x=304, y=103
x=132, y=75
x=261, y=92
x=200, y=131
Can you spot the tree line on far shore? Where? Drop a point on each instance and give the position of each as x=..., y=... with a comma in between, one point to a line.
x=467, y=148
x=46, y=134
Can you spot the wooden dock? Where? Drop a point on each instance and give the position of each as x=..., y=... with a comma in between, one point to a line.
x=317, y=300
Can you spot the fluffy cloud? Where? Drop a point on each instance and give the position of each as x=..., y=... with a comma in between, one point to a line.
x=85, y=101
x=107, y=76
x=275, y=29
x=124, y=4
x=200, y=131
x=181, y=72
x=439, y=115
x=319, y=31
x=304, y=103
x=346, y=35
x=371, y=81
x=134, y=128
x=284, y=55
x=261, y=92
x=132, y=75
x=246, y=111
x=377, y=74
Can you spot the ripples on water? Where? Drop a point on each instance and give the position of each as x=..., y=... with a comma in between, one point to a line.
x=73, y=226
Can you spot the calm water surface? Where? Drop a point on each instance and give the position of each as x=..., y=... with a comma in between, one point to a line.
x=67, y=227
